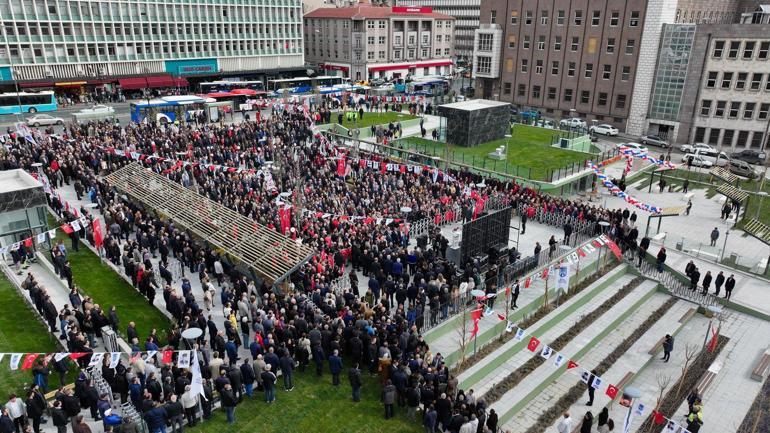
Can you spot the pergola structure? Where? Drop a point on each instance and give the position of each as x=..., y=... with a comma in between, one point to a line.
x=269, y=254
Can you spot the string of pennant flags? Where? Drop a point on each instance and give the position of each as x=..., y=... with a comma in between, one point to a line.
x=25, y=361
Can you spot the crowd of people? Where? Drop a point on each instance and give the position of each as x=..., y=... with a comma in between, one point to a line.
x=308, y=324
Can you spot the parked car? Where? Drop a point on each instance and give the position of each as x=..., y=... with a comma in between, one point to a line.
x=44, y=120
x=750, y=155
x=604, y=129
x=573, y=122
x=98, y=109
x=742, y=168
x=690, y=148
x=636, y=146
x=654, y=140
x=719, y=159
x=696, y=160
x=545, y=123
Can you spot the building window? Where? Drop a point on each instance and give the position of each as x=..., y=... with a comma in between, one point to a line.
x=397, y=41
x=625, y=74
x=538, y=66
x=521, y=90
x=748, y=50
x=764, y=108
x=735, y=108
x=493, y=17
x=705, y=107
x=560, y=18
x=630, y=46
x=514, y=17
x=567, y=95
x=536, y=92
x=511, y=42
x=607, y=72
x=423, y=53
x=524, y=66
x=446, y=52
x=552, y=93
x=554, y=68
x=764, y=47
x=727, y=80
x=743, y=138
x=411, y=53
x=438, y=52
x=719, y=111
x=541, y=42
x=485, y=42
x=602, y=101
x=370, y=24
x=508, y=65
x=571, y=69
x=370, y=40
x=740, y=82
x=585, y=97
x=525, y=45
x=620, y=101
x=575, y=44
x=589, y=70
x=634, y=20
x=381, y=40
x=614, y=18
x=506, y=88
x=382, y=24
x=484, y=65
x=595, y=18
x=700, y=134
x=735, y=46
x=544, y=18
x=748, y=110
x=578, y=18
x=727, y=138
x=610, y=45
x=756, y=139
x=557, y=43
x=719, y=48
x=528, y=18
x=370, y=55
x=426, y=71
x=714, y=136
x=756, y=81
x=396, y=55
x=711, y=80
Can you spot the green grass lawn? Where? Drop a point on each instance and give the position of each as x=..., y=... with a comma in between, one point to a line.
x=373, y=119
x=20, y=332
x=530, y=154
x=101, y=283
x=314, y=406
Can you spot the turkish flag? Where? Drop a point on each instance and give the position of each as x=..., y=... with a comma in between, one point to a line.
x=615, y=249
x=341, y=167
x=612, y=391
x=28, y=242
x=475, y=328
x=581, y=253
x=476, y=314
x=533, y=343
x=98, y=238
x=545, y=273
x=500, y=316
x=714, y=340
x=571, y=364
x=658, y=418
x=168, y=355
x=77, y=355
x=527, y=282
x=28, y=361
x=67, y=229
x=596, y=243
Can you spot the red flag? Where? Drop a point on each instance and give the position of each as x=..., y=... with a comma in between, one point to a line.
x=98, y=239
x=77, y=355
x=571, y=364
x=475, y=329
x=615, y=249
x=658, y=418
x=508, y=291
x=596, y=243
x=29, y=360
x=260, y=341
x=714, y=340
x=612, y=391
x=28, y=242
x=168, y=355
x=545, y=273
x=476, y=314
x=527, y=282
x=341, y=167
x=500, y=316
x=533, y=343
x=581, y=253
x=67, y=229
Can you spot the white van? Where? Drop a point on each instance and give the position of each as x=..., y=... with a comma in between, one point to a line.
x=717, y=158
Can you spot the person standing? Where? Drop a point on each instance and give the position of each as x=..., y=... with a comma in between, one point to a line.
x=729, y=286
x=175, y=414
x=706, y=283
x=694, y=278
x=685, y=188
x=34, y=411
x=551, y=246
x=515, y=293
x=229, y=402
x=591, y=389
x=588, y=419
x=388, y=398
x=287, y=370
x=644, y=245
x=155, y=418
x=190, y=405
x=565, y=425
x=59, y=417
x=354, y=377
x=689, y=206
x=714, y=236
x=718, y=281
x=268, y=382
x=430, y=420
x=335, y=367
x=668, y=347
x=17, y=412
x=567, y=232
x=661, y=260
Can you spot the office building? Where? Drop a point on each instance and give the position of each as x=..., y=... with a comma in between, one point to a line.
x=365, y=42
x=77, y=43
x=466, y=13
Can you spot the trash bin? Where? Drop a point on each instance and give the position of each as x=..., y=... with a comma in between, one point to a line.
x=679, y=245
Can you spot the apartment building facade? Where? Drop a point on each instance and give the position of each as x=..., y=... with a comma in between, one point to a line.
x=366, y=42
x=466, y=13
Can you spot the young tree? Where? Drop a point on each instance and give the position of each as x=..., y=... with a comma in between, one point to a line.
x=690, y=352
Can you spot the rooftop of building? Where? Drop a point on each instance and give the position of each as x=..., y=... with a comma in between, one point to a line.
x=368, y=11
x=17, y=180
x=474, y=104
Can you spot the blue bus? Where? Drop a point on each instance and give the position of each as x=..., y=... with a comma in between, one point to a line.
x=168, y=109
x=27, y=102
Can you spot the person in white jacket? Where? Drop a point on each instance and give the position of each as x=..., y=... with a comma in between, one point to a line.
x=17, y=411
x=565, y=425
x=190, y=404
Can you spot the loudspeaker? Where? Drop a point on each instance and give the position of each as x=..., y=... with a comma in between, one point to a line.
x=453, y=255
x=498, y=252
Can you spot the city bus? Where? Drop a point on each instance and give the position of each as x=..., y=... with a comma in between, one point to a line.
x=226, y=86
x=167, y=109
x=329, y=81
x=293, y=85
x=429, y=86
x=27, y=102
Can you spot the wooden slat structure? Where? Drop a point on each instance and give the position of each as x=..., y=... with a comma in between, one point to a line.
x=758, y=229
x=271, y=255
x=733, y=193
x=724, y=174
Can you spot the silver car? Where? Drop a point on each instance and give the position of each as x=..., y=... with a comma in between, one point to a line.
x=654, y=140
x=44, y=120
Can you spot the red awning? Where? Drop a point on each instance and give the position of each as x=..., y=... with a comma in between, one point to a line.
x=216, y=95
x=409, y=66
x=161, y=81
x=36, y=84
x=133, y=83
x=181, y=82
x=248, y=92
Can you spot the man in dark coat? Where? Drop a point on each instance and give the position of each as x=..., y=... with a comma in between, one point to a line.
x=247, y=374
x=718, y=281
x=268, y=382
x=729, y=286
x=668, y=346
x=354, y=376
x=335, y=367
x=287, y=371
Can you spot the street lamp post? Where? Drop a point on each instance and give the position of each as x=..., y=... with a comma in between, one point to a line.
x=724, y=245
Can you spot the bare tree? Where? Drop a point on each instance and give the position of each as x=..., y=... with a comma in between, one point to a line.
x=663, y=383
x=690, y=352
x=462, y=331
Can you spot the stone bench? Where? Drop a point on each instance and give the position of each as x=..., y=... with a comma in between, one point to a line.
x=759, y=373
x=657, y=346
x=707, y=380
x=688, y=315
x=52, y=394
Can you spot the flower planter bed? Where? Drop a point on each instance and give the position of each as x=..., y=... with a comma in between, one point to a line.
x=757, y=419
x=548, y=417
x=516, y=376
